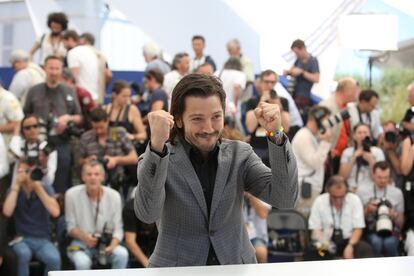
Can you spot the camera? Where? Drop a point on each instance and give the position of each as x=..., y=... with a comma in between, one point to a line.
x=104, y=240
x=286, y=242
x=390, y=136
x=115, y=177
x=32, y=158
x=331, y=121
x=384, y=225
x=366, y=146
x=72, y=130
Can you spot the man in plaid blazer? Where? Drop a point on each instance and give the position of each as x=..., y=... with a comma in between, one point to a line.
x=193, y=185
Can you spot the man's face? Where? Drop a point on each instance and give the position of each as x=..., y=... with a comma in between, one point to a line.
x=351, y=93
x=53, y=69
x=19, y=65
x=206, y=69
x=101, y=128
x=203, y=122
x=30, y=129
x=150, y=83
x=337, y=192
x=368, y=106
x=184, y=65
x=56, y=28
x=268, y=82
x=69, y=43
x=299, y=52
x=198, y=46
x=233, y=51
x=360, y=133
x=410, y=96
x=93, y=176
x=381, y=177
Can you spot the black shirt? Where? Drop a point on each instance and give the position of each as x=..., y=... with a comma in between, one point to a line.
x=206, y=170
x=146, y=233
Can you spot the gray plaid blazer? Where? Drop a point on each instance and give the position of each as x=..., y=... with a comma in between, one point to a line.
x=170, y=194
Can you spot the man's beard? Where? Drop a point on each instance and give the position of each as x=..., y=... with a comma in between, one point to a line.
x=55, y=33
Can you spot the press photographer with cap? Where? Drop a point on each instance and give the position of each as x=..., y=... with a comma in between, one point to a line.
x=192, y=182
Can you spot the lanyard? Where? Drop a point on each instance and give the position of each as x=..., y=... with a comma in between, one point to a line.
x=340, y=215
x=375, y=192
x=96, y=208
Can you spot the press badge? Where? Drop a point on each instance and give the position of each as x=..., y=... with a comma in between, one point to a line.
x=69, y=98
x=408, y=186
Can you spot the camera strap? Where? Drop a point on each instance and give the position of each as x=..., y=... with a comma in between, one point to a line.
x=362, y=121
x=339, y=215
x=96, y=208
x=375, y=192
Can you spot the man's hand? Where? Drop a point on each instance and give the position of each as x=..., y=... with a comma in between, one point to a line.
x=160, y=122
x=372, y=207
x=326, y=136
x=90, y=241
x=296, y=71
x=112, y=161
x=349, y=252
x=109, y=249
x=268, y=116
x=62, y=123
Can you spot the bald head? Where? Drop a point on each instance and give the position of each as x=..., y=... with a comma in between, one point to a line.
x=410, y=95
x=347, y=89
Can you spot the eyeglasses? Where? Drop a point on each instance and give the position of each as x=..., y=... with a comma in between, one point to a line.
x=269, y=82
x=30, y=127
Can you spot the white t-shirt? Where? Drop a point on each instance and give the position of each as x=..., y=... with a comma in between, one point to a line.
x=310, y=156
x=294, y=116
x=48, y=49
x=230, y=78
x=373, y=119
x=4, y=163
x=393, y=194
x=349, y=218
x=84, y=57
x=24, y=79
x=170, y=81
x=10, y=110
x=364, y=175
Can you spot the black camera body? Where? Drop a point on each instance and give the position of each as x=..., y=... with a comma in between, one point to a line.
x=72, y=130
x=32, y=158
x=366, y=146
x=331, y=121
x=104, y=240
x=391, y=136
x=115, y=177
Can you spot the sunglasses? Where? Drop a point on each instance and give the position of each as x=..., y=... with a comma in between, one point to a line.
x=30, y=127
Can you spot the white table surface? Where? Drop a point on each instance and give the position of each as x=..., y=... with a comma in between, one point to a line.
x=393, y=266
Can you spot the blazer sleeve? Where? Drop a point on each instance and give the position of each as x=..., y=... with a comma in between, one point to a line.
x=150, y=192
x=278, y=186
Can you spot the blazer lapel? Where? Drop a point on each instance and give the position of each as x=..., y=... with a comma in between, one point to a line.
x=182, y=163
x=223, y=169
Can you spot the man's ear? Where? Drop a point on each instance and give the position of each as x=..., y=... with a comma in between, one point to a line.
x=179, y=123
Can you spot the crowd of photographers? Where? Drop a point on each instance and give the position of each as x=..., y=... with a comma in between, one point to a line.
x=356, y=175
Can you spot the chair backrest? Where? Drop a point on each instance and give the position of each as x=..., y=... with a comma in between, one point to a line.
x=288, y=233
x=287, y=219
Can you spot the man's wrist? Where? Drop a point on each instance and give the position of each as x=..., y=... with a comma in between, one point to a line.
x=277, y=136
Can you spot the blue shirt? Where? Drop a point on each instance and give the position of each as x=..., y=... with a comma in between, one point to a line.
x=303, y=86
x=31, y=218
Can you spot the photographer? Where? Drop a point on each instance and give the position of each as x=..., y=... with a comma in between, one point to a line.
x=94, y=221
x=337, y=222
x=39, y=154
x=383, y=210
x=390, y=141
x=407, y=123
x=364, y=111
x=110, y=145
x=357, y=161
x=407, y=169
x=31, y=204
x=58, y=108
x=311, y=149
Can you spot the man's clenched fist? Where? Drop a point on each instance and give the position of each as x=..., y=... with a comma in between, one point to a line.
x=160, y=122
